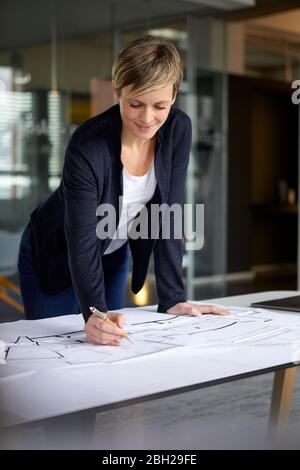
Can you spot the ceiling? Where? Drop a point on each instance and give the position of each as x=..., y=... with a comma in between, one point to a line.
x=28, y=22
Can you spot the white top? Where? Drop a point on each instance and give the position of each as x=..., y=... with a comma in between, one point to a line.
x=44, y=388
x=137, y=191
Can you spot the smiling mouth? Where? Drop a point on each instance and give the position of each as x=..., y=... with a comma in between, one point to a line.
x=143, y=128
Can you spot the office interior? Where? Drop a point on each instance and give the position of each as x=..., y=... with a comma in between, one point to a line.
x=240, y=59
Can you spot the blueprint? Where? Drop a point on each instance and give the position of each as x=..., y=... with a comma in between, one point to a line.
x=60, y=342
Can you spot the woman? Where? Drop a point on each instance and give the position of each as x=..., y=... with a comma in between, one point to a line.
x=138, y=149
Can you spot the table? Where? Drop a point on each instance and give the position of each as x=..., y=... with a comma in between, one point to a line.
x=77, y=395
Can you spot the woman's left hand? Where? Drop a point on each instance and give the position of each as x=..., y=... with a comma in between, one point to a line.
x=188, y=308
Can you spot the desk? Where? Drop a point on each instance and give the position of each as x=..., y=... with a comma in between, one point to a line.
x=77, y=394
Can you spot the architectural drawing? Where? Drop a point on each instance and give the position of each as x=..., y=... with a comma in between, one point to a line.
x=153, y=333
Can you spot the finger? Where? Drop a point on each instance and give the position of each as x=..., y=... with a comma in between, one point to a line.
x=99, y=335
x=114, y=343
x=107, y=327
x=106, y=337
x=118, y=318
x=219, y=311
x=214, y=310
x=92, y=338
x=111, y=343
x=195, y=312
x=190, y=310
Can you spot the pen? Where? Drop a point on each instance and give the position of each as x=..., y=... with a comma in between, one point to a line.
x=103, y=317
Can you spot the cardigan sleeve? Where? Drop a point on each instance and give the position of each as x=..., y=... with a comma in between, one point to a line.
x=81, y=190
x=168, y=253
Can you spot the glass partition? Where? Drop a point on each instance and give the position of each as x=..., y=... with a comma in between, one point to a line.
x=48, y=89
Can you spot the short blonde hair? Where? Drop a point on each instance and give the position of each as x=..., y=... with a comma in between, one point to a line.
x=147, y=63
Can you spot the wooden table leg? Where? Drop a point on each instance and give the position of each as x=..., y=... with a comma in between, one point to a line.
x=283, y=387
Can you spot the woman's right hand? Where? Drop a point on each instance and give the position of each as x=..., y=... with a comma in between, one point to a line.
x=102, y=332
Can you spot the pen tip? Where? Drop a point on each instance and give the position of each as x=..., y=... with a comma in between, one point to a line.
x=130, y=339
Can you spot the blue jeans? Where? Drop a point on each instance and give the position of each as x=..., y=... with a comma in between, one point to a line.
x=37, y=304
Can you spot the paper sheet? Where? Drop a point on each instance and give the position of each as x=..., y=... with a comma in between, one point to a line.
x=60, y=342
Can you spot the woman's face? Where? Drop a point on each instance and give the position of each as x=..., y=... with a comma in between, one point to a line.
x=144, y=114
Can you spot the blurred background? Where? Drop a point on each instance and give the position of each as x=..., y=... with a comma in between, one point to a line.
x=240, y=58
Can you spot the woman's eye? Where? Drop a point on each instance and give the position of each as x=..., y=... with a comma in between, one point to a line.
x=135, y=106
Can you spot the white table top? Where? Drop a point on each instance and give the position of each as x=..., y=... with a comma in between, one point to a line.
x=31, y=395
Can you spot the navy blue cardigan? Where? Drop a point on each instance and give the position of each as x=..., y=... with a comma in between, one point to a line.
x=63, y=229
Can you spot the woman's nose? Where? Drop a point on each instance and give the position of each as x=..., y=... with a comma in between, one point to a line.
x=147, y=116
